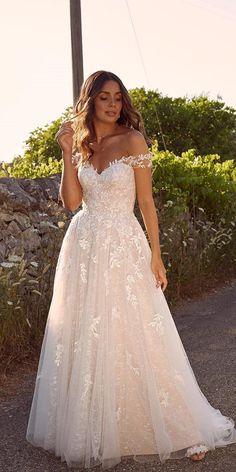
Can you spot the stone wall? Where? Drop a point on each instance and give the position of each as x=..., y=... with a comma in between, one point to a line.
x=30, y=214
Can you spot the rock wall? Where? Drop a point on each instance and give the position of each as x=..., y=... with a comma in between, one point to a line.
x=30, y=216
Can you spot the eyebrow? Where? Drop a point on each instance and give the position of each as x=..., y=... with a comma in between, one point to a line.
x=104, y=91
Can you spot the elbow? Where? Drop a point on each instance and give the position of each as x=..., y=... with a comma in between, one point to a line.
x=72, y=206
x=146, y=203
x=71, y=202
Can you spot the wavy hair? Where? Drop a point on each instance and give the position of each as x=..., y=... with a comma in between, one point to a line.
x=84, y=109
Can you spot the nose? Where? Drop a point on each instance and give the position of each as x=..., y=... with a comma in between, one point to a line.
x=112, y=101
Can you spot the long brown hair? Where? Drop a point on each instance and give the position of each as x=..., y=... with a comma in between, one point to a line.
x=84, y=108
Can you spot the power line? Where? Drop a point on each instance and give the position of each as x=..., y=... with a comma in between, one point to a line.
x=144, y=69
x=211, y=7
x=137, y=43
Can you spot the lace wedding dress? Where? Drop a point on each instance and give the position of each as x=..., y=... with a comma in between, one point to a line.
x=114, y=379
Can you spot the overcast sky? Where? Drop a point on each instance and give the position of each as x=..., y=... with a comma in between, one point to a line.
x=188, y=47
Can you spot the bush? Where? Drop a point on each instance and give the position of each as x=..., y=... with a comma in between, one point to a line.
x=208, y=126
x=196, y=201
x=202, y=182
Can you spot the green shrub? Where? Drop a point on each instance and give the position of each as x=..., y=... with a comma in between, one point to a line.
x=200, y=181
x=209, y=126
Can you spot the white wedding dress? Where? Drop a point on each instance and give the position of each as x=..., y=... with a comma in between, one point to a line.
x=114, y=379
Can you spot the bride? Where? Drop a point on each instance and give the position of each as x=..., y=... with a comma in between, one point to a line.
x=113, y=378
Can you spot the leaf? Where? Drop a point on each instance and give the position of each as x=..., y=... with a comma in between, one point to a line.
x=28, y=323
x=22, y=267
x=34, y=264
x=46, y=268
x=36, y=291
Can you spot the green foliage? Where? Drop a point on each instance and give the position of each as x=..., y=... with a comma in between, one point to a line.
x=196, y=201
x=201, y=182
x=27, y=168
x=208, y=126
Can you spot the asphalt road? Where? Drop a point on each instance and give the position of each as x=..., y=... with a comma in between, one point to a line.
x=207, y=327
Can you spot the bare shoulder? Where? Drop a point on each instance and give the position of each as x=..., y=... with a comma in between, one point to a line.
x=136, y=143
x=138, y=154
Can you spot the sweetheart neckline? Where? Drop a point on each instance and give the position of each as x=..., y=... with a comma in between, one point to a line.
x=114, y=161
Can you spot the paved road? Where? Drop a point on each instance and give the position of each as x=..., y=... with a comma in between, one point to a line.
x=207, y=327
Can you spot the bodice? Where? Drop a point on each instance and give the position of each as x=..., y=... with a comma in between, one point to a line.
x=112, y=191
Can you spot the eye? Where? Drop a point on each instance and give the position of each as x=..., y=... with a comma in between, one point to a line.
x=103, y=98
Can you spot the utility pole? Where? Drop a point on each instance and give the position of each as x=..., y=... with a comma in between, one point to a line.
x=76, y=47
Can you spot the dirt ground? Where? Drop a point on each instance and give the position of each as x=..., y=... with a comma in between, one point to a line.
x=207, y=327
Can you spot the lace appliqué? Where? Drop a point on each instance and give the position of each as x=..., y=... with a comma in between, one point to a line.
x=164, y=397
x=157, y=324
x=129, y=363
x=196, y=450
x=83, y=272
x=94, y=325
x=87, y=386
x=140, y=160
x=178, y=376
x=59, y=354
x=131, y=297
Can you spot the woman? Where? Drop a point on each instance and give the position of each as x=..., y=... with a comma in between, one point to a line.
x=114, y=379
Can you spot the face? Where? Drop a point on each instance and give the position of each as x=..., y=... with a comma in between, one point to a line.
x=108, y=102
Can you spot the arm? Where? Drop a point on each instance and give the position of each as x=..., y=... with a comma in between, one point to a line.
x=70, y=189
x=143, y=181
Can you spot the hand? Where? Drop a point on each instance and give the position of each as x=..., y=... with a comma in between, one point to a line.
x=64, y=137
x=159, y=271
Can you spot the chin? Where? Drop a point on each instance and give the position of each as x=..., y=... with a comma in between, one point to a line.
x=109, y=119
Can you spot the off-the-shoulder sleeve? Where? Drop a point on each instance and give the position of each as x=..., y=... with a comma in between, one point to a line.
x=76, y=159
x=141, y=160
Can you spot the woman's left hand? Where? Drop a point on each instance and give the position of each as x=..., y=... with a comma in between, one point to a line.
x=159, y=271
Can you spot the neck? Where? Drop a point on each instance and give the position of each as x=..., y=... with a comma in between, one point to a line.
x=104, y=129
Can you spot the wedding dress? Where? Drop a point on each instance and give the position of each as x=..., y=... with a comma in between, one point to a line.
x=113, y=378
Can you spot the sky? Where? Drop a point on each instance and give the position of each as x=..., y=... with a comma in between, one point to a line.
x=178, y=47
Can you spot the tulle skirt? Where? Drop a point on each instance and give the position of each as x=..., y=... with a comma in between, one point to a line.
x=113, y=378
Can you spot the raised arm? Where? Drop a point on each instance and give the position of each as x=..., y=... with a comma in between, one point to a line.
x=142, y=165
x=70, y=188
